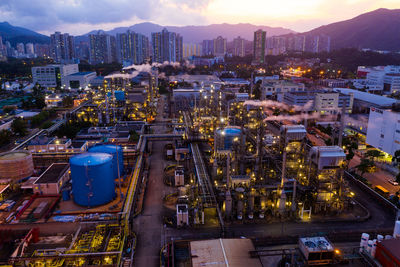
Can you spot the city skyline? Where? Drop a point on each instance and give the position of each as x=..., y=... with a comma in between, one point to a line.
x=77, y=17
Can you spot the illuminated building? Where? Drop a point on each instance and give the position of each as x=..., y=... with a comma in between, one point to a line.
x=259, y=47
x=326, y=178
x=102, y=48
x=238, y=47
x=52, y=76
x=167, y=46
x=133, y=47
x=219, y=46
x=62, y=47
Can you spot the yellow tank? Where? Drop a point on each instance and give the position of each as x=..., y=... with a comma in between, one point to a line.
x=16, y=165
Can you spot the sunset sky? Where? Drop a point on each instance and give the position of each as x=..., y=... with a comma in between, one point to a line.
x=82, y=16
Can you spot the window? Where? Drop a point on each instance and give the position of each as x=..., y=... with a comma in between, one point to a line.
x=382, y=136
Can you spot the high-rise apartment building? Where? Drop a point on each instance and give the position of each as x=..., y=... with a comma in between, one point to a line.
x=190, y=50
x=276, y=45
x=42, y=50
x=102, y=48
x=309, y=43
x=62, y=47
x=238, y=47
x=259, y=47
x=167, y=46
x=3, y=50
x=21, y=49
x=132, y=47
x=207, y=47
x=219, y=46
x=30, y=50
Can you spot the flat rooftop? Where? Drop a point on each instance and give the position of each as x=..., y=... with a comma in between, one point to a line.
x=41, y=140
x=367, y=97
x=78, y=143
x=53, y=173
x=82, y=73
x=223, y=252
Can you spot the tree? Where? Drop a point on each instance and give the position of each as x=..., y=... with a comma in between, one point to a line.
x=373, y=154
x=349, y=144
x=68, y=102
x=5, y=137
x=19, y=127
x=396, y=159
x=365, y=166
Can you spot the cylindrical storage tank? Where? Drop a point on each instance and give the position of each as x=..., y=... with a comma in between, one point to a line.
x=112, y=150
x=379, y=237
x=16, y=165
x=396, y=231
x=66, y=195
x=92, y=179
x=369, y=246
x=229, y=136
x=364, y=241
x=373, y=250
x=119, y=95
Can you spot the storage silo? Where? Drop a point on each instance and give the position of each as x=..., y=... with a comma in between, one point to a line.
x=118, y=161
x=92, y=179
x=16, y=165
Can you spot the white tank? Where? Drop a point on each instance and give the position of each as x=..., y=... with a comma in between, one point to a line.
x=379, y=237
x=364, y=241
x=373, y=250
x=396, y=231
x=369, y=247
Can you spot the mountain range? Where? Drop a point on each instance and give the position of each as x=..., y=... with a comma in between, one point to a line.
x=378, y=30
x=15, y=34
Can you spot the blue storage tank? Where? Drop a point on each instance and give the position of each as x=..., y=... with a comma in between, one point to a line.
x=119, y=95
x=229, y=134
x=112, y=150
x=92, y=179
x=66, y=195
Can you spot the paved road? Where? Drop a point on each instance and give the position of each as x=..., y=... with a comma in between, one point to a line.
x=149, y=226
x=380, y=177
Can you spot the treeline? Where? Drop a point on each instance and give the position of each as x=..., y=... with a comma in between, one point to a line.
x=13, y=68
x=100, y=69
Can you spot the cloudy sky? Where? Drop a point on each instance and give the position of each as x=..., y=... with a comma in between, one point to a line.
x=82, y=16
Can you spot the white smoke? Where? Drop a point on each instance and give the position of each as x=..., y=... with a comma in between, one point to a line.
x=147, y=67
x=299, y=117
x=280, y=105
x=122, y=75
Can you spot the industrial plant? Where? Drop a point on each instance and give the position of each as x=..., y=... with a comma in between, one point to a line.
x=203, y=174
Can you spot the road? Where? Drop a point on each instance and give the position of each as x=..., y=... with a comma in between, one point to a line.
x=149, y=226
x=380, y=177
